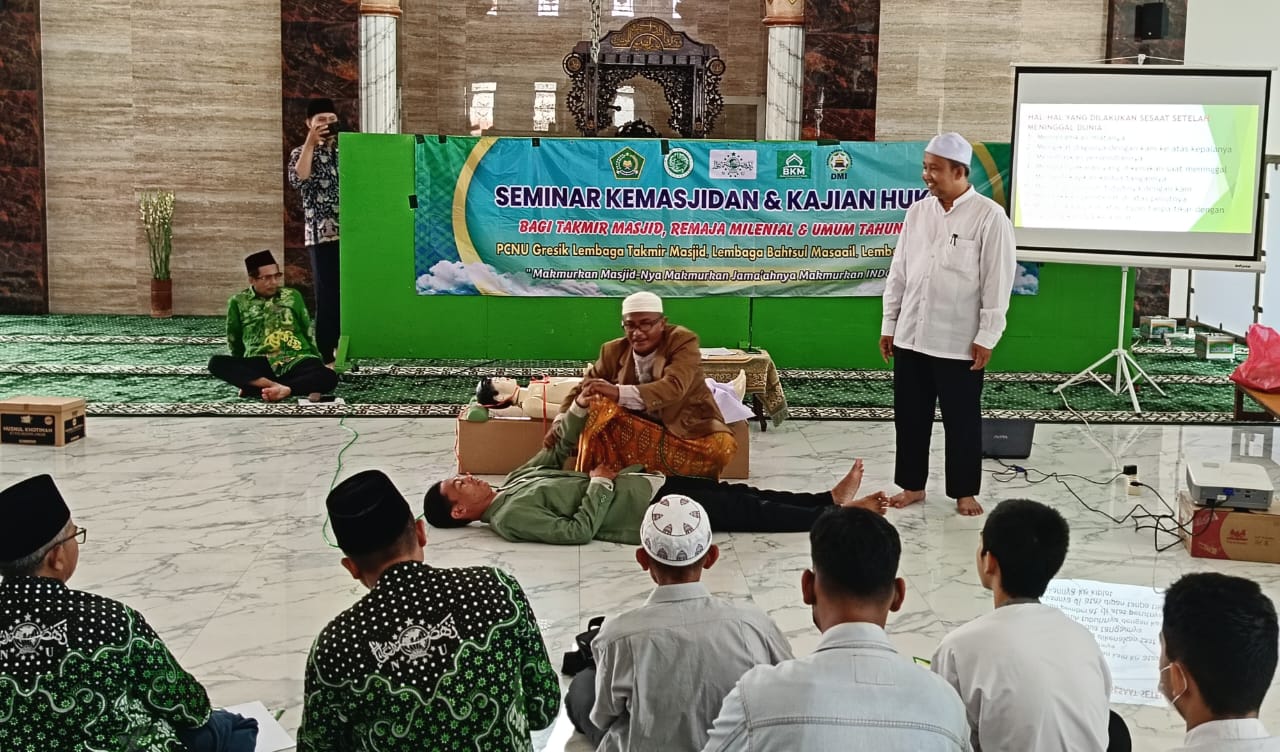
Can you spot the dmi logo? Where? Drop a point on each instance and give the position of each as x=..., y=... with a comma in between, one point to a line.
x=838, y=162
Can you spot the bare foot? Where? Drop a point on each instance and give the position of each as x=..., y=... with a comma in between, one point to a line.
x=876, y=502
x=276, y=393
x=906, y=499
x=845, y=491
x=968, y=506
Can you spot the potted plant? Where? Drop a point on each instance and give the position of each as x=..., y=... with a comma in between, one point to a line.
x=156, y=208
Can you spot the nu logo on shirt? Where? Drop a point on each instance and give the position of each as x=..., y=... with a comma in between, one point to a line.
x=416, y=642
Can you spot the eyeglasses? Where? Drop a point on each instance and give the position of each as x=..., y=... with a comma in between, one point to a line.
x=273, y=277
x=646, y=324
x=80, y=535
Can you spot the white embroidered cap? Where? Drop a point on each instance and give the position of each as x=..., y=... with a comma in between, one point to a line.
x=951, y=146
x=641, y=302
x=676, y=530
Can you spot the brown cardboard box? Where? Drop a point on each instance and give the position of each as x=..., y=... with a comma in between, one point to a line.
x=499, y=445
x=1228, y=533
x=51, y=421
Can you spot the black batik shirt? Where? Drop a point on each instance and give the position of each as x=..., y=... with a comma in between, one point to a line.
x=430, y=659
x=319, y=193
x=83, y=672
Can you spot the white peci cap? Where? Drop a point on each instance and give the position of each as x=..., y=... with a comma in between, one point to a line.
x=951, y=146
x=676, y=531
x=641, y=302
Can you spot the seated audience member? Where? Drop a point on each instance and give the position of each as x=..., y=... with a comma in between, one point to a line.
x=662, y=670
x=1030, y=676
x=269, y=335
x=658, y=411
x=1217, y=660
x=540, y=502
x=83, y=672
x=430, y=658
x=855, y=692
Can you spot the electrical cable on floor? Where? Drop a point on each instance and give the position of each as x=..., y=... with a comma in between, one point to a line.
x=324, y=530
x=1142, y=518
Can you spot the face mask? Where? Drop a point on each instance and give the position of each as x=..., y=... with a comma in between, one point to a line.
x=1174, y=702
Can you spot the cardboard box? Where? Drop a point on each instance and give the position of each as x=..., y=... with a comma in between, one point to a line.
x=1215, y=346
x=50, y=421
x=1228, y=533
x=1156, y=327
x=499, y=445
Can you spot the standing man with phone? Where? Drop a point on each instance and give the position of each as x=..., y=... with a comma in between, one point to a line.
x=313, y=170
x=945, y=302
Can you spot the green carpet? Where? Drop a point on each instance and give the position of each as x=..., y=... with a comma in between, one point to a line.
x=139, y=365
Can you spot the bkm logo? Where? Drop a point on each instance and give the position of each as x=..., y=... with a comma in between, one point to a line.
x=1238, y=536
x=627, y=164
x=794, y=165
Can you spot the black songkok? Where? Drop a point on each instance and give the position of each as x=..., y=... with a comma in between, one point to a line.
x=367, y=513
x=33, y=513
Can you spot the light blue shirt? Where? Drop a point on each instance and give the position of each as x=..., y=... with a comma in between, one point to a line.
x=854, y=692
x=664, y=668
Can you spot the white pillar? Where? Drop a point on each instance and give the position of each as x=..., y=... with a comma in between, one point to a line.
x=784, y=88
x=379, y=96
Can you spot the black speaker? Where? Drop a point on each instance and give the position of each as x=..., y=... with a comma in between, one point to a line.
x=1151, y=21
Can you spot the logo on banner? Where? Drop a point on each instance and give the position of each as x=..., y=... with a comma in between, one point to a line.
x=678, y=163
x=794, y=164
x=733, y=164
x=838, y=162
x=627, y=164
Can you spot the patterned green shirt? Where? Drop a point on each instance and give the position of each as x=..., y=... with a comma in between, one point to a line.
x=83, y=672
x=277, y=328
x=430, y=659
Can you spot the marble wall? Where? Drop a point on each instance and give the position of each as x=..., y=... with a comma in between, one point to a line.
x=142, y=94
x=447, y=48
x=319, y=57
x=840, y=69
x=946, y=65
x=23, y=272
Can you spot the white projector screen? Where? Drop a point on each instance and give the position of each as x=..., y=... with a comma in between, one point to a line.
x=1139, y=165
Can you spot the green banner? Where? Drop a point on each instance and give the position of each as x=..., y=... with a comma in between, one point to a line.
x=602, y=217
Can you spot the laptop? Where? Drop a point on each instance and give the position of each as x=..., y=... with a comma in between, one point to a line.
x=1007, y=438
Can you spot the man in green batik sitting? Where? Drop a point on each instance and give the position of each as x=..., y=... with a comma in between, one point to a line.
x=269, y=334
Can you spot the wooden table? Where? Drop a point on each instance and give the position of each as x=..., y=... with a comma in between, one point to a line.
x=1270, y=404
x=767, y=399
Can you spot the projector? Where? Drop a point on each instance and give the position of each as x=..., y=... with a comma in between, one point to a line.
x=1237, y=485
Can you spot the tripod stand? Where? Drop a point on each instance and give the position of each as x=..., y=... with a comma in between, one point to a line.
x=1126, y=366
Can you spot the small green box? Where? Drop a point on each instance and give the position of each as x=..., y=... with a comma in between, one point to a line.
x=1215, y=346
x=1156, y=327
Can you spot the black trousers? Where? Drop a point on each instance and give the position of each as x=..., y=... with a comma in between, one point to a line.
x=324, y=275
x=579, y=701
x=304, y=377
x=921, y=382
x=736, y=507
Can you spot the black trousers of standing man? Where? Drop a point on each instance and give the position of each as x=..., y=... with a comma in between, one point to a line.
x=306, y=376
x=921, y=382
x=324, y=271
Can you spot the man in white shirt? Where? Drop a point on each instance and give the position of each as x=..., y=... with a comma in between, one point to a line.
x=945, y=302
x=1030, y=677
x=855, y=692
x=1217, y=659
x=662, y=670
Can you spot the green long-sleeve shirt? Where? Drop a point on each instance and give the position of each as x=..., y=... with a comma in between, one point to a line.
x=83, y=672
x=540, y=502
x=277, y=328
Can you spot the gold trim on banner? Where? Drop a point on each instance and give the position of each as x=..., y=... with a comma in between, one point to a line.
x=461, y=235
x=993, y=174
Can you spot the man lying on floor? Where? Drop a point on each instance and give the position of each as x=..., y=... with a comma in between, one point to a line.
x=273, y=355
x=542, y=503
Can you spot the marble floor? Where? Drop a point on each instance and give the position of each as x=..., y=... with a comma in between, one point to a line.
x=212, y=528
